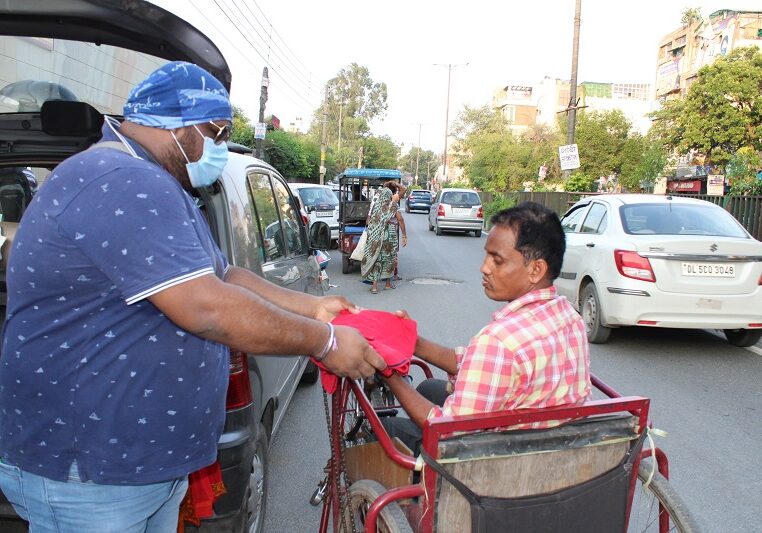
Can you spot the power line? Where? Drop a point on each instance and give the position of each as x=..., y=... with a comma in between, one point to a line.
x=246, y=57
x=296, y=76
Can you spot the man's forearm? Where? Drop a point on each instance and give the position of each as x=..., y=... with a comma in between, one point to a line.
x=416, y=406
x=296, y=302
x=436, y=354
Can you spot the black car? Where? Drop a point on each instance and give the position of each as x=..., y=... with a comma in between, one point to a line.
x=418, y=200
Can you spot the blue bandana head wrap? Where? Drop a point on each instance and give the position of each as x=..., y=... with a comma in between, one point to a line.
x=175, y=95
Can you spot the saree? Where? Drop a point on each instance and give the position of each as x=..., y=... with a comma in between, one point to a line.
x=381, y=245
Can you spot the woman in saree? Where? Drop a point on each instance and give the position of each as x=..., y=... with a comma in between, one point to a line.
x=381, y=243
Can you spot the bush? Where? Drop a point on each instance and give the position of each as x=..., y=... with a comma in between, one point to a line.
x=579, y=182
x=499, y=203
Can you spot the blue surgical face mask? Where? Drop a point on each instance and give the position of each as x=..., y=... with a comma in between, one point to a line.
x=209, y=166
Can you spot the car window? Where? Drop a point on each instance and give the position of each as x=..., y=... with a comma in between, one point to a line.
x=312, y=196
x=272, y=242
x=595, y=221
x=679, y=219
x=465, y=198
x=289, y=214
x=571, y=219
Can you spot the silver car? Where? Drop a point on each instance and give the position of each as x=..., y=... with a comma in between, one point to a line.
x=457, y=210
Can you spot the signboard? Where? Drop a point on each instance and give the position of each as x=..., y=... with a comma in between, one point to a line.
x=685, y=186
x=569, y=156
x=260, y=128
x=715, y=185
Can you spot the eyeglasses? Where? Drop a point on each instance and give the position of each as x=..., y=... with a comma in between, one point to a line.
x=223, y=133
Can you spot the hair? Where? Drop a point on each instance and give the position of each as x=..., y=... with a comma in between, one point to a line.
x=539, y=234
x=392, y=186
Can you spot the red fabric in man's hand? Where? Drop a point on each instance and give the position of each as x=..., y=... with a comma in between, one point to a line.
x=392, y=337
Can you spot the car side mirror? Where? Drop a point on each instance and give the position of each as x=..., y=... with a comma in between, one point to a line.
x=320, y=236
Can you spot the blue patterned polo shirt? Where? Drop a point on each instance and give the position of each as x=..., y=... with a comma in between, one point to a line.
x=90, y=370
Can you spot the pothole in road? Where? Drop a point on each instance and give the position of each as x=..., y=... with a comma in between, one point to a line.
x=434, y=281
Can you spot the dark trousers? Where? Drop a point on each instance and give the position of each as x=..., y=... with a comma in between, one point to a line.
x=434, y=390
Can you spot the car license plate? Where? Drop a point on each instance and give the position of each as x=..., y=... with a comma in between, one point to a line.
x=461, y=211
x=325, y=213
x=710, y=270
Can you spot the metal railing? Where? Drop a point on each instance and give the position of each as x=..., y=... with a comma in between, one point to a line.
x=746, y=209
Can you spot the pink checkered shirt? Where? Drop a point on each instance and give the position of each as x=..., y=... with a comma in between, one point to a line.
x=533, y=354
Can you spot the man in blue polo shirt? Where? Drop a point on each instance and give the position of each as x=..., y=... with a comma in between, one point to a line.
x=121, y=309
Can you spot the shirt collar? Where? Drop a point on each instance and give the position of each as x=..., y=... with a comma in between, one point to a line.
x=109, y=135
x=538, y=295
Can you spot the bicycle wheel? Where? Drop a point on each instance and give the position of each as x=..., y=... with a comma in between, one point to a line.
x=391, y=519
x=645, y=511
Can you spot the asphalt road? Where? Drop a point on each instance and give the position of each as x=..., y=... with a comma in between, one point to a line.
x=706, y=394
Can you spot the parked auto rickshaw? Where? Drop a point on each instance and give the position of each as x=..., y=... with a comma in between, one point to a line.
x=357, y=187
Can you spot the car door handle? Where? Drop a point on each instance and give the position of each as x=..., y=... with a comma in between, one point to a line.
x=590, y=245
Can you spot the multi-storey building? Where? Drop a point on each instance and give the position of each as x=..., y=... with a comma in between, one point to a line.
x=685, y=50
x=524, y=105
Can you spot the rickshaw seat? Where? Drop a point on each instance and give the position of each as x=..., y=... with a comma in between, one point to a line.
x=536, y=469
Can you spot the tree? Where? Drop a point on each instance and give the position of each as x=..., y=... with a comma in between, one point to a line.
x=380, y=152
x=353, y=101
x=428, y=162
x=601, y=137
x=287, y=155
x=722, y=111
x=243, y=132
x=690, y=15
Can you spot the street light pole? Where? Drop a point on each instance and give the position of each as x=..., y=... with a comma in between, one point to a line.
x=449, y=66
x=418, y=154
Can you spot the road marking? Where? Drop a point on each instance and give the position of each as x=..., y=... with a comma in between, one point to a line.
x=754, y=349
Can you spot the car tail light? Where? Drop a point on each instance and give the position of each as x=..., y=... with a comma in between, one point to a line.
x=239, y=389
x=647, y=322
x=305, y=220
x=760, y=280
x=632, y=265
x=480, y=213
x=440, y=211
x=756, y=325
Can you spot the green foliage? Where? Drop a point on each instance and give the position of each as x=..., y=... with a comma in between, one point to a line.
x=742, y=171
x=456, y=185
x=722, y=111
x=498, y=203
x=579, y=182
x=428, y=162
x=690, y=15
x=653, y=158
x=353, y=100
x=380, y=152
x=243, y=131
x=287, y=154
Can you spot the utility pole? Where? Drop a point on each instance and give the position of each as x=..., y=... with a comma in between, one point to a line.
x=341, y=109
x=449, y=66
x=324, y=139
x=418, y=154
x=262, y=102
x=572, y=124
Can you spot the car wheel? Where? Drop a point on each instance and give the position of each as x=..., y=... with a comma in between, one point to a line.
x=591, y=310
x=345, y=263
x=743, y=337
x=439, y=230
x=311, y=373
x=256, y=490
x=478, y=233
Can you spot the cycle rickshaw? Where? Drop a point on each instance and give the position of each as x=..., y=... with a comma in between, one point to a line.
x=590, y=474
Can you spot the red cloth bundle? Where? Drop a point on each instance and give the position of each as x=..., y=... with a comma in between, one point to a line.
x=392, y=337
x=204, y=487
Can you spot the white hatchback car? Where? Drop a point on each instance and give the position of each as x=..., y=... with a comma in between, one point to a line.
x=319, y=203
x=661, y=261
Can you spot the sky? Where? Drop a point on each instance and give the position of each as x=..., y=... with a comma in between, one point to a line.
x=408, y=45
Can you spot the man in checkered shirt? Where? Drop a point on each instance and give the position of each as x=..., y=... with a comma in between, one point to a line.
x=534, y=353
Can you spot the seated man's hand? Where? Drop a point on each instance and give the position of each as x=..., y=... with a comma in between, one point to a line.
x=403, y=314
x=328, y=307
x=353, y=357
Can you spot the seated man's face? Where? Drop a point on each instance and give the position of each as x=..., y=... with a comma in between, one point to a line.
x=505, y=274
